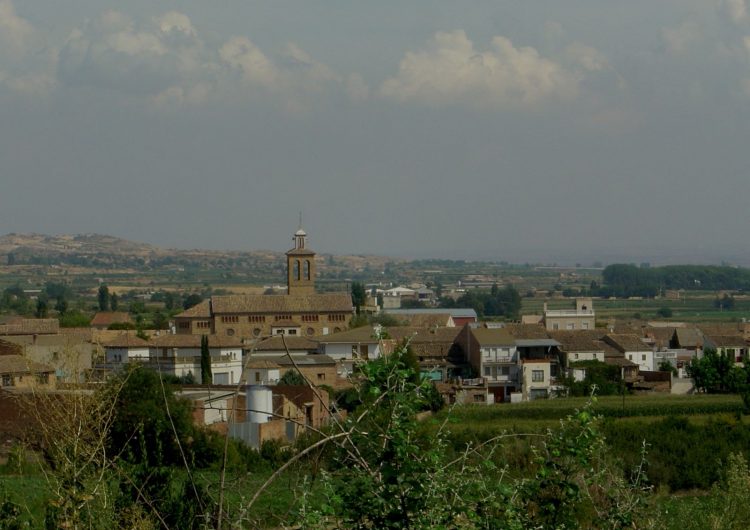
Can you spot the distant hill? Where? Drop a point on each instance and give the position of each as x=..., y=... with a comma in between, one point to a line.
x=74, y=244
x=100, y=251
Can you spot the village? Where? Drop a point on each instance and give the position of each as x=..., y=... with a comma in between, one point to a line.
x=253, y=340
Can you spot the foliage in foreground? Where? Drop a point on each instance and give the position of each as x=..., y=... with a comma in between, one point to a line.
x=388, y=472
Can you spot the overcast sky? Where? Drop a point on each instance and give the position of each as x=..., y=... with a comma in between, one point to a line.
x=509, y=129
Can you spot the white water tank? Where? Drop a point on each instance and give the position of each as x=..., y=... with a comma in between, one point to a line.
x=259, y=403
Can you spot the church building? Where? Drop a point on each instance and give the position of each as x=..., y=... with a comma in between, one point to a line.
x=300, y=312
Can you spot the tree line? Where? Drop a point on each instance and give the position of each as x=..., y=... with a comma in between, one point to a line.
x=622, y=280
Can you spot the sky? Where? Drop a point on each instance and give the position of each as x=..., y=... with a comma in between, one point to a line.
x=511, y=130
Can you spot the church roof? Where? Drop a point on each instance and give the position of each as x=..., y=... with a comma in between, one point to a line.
x=282, y=303
x=201, y=310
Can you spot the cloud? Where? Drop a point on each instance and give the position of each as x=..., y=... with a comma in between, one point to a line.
x=26, y=65
x=451, y=71
x=16, y=34
x=680, y=38
x=737, y=10
x=166, y=60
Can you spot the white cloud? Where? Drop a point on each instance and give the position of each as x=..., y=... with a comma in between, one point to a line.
x=25, y=64
x=588, y=58
x=451, y=71
x=16, y=34
x=736, y=9
x=679, y=39
x=166, y=60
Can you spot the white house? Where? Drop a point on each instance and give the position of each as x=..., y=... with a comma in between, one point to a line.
x=634, y=349
x=126, y=348
x=351, y=346
x=180, y=355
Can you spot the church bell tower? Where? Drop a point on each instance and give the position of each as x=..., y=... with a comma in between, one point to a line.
x=300, y=266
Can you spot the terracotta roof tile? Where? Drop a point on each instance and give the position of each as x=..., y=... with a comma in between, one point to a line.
x=282, y=303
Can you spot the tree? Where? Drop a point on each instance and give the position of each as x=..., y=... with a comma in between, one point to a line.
x=103, y=298
x=192, y=300
x=206, y=376
x=61, y=306
x=114, y=301
x=292, y=377
x=664, y=312
x=717, y=373
x=726, y=302
x=359, y=295
x=41, y=307
x=666, y=366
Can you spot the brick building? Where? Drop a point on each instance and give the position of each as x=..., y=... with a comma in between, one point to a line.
x=300, y=312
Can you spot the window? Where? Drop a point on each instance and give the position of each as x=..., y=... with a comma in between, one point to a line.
x=292, y=332
x=7, y=380
x=630, y=356
x=336, y=318
x=575, y=355
x=256, y=318
x=184, y=325
x=505, y=370
x=282, y=317
x=42, y=379
x=585, y=325
x=230, y=332
x=256, y=332
x=570, y=325
x=310, y=318
x=321, y=377
x=204, y=324
x=310, y=331
x=487, y=371
x=537, y=376
x=479, y=398
x=257, y=377
x=307, y=269
x=555, y=326
x=232, y=319
x=643, y=357
x=595, y=356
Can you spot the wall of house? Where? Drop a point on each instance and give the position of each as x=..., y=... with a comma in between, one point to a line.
x=344, y=350
x=534, y=389
x=262, y=376
x=644, y=359
x=124, y=355
x=45, y=380
x=554, y=323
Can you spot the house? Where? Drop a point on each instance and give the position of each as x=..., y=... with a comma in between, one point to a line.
x=16, y=371
x=300, y=312
x=434, y=347
x=69, y=351
x=633, y=349
x=582, y=317
x=126, y=348
x=493, y=356
x=687, y=339
x=29, y=326
x=580, y=346
x=350, y=347
x=733, y=345
x=392, y=297
x=460, y=316
x=180, y=355
x=104, y=319
x=318, y=369
x=262, y=372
